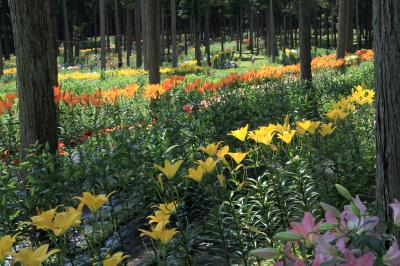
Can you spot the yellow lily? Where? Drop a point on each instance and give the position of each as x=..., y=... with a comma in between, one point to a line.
x=222, y=152
x=169, y=170
x=196, y=174
x=115, y=259
x=326, y=129
x=6, y=243
x=303, y=126
x=167, y=208
x=164, y=235
x=211, y=149
x=336, y=114
x=313, y=127
x=33, y=257
x=208, y=165
x=287, y=136
x=160, y=218
x=240, y=133
x=58, y=223
x=93, y=202
x=238, y=157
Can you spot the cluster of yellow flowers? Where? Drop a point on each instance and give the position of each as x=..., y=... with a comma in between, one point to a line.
x=284, y=132
x=159, y=221
x=10, y=71
x=128, y=72
x=78, y=76
x=346, y=105
x=57, y=223
x=189, y=63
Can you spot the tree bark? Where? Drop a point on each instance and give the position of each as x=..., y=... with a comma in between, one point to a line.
x=67, y=37
x=129, y=36
x=387, y=76
x=103, y=34
x=34, y=41
x=153, y=42
x=144, y=15
x=1, y=55
x=118, y=42
x=341, y=43
x=305, y=39
x=349, y=26
x=173, y=34
x=138, y=35
x=207, y=33
x=272, y=31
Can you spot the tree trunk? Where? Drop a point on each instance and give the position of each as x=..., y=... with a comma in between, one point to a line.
x=349, y=26
x=327, y=27
x=207, y=33
x=173, y=34
x=271, y=31
x=358, y=24
x=305, y=39
x=143, y=8
x=103, y=34
x=241, y=31
x=96, y=30
x=118, y=42
x=1, y=56
x=67, y=37
x=34, y=41
x=138, y=35
x=387, y=76
x=341, y=44
x=152, y=40
x=251, y=29
x=129, y=36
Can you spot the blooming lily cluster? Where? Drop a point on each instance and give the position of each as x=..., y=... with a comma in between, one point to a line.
x=57, y=223
x=347, y=238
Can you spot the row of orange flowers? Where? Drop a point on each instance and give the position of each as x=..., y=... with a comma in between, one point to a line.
x=200, y=85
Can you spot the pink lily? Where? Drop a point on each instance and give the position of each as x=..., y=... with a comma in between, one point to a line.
x=367, y=259
x=396, y=212
x=307, y=229
x=392, y=256
x=360, y=205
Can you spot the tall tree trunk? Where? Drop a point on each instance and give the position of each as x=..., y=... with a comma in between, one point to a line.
x=173, y=34
x=241, y=31
x=138, y=35
x=143, y=8
x=129, y=36
x=341, y=44
x=103, y=34
x=387, y=76
x=67, y=37
x=358, y=24
x=251, y=29
x=1, y=55
x=305, y=39
x=96, y=30
x=118, y=42
x=349, y=26
x=327, y=27
x=162, y=35
x=35, y=42
x=153, y=43
x=207, y=33
x=272, y=31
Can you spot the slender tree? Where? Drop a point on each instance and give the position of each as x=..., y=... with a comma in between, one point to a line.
x=35, y=42
x=305, y=39
x=387, y=76
x=207, y=32
x=173, y=34
x=1, y=57
x=138, y=35
x=153, y=49
x=341, y=43
x=103, y=34
x=143, y=10
x=118, y=37
x=129, y=36
x=68, y=53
